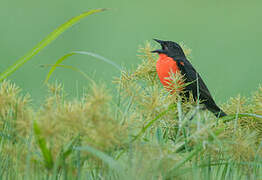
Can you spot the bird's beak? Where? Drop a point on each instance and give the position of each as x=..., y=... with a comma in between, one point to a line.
x=158, y=51
x=159, y=41
x=162, y=45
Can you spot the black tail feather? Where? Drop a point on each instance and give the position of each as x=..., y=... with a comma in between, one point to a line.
x=217, y=111
x=220, y=114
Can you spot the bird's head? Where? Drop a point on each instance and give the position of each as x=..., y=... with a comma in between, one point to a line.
x=170, y=48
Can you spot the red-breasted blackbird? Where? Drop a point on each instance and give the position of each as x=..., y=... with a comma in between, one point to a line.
x=171, y=60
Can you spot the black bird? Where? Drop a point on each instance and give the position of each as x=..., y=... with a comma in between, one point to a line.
x=172, y=58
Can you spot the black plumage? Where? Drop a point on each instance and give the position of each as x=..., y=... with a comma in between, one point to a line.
x=195, y=83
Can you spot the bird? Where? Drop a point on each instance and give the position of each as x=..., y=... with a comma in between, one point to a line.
x=172, y=59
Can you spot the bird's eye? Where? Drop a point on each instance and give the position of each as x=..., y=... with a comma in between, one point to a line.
x=165, y=48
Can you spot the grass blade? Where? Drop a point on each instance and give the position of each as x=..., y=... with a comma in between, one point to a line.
x=68, y=149
x=148, y=125
x=59, y=61
x=113, y=164
x=45, y=42
x=233, y=116
x=68, y=67
x=143, y=130
x=101, y=58
x=174, y=170
x=47, y=155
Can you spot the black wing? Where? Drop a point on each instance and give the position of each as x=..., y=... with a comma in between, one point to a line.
x=192, y=77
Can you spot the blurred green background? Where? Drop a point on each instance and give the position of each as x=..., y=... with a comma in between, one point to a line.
x=225, y=37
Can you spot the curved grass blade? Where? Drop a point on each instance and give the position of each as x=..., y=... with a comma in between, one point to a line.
x=67, y=149
x=68, y=67
x=47, y=155
x=45, y=42
x=233, y=116
x=175, y=169
x=113, y=164
x=148, y=125
x=100, y=57
x=59, y=61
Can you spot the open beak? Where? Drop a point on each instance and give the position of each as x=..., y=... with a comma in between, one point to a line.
x=158, y=51
x=162, y=45
x=159, y=41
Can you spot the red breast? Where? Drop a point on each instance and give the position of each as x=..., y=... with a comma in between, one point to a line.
x=165, y=67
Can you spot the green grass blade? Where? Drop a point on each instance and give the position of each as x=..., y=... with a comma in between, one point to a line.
x=47, y=155
x=100, y=57
x=233, y=116
x=60, y=162
x=67, y=67
x=45, y=42
x=59, y=61
x=174, y=170
x=65, y=151
x=68, y=148
x=150, y=123
x=113, y=164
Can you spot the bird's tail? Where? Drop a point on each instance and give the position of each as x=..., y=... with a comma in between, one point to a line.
x=217, y=112
x=220, y=114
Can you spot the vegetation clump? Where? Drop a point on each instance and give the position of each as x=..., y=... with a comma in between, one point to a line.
x=140, y=132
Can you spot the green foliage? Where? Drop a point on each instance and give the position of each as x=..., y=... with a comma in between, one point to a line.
x=41, y=142
x=63, y=58
x=144, y=133
x=45, y=42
